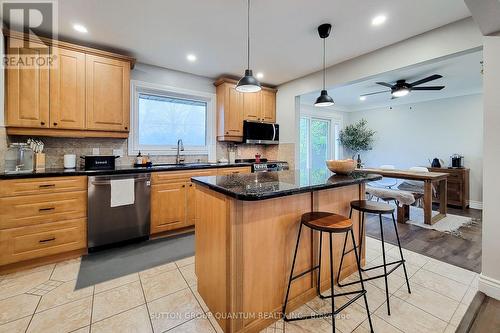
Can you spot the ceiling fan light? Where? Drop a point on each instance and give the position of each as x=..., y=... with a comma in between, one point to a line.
x=401, y=92
x=248, y=83
x=324, y=100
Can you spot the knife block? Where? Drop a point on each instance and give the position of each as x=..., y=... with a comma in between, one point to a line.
x=39, y=161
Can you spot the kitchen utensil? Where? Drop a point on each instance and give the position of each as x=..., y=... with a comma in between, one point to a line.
x=436, y=163
x=457, y=161
x=341, y=167
x=70, y=161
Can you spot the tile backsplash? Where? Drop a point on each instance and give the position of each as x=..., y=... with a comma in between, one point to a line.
x=56, y=148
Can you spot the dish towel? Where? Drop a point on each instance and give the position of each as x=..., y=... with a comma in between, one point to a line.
x=122, y=192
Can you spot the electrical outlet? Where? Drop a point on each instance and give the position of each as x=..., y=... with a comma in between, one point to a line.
x=118, y=152
x=95, y=151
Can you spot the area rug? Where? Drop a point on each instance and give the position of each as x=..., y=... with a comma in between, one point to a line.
x=449, y=224
x=117, y=262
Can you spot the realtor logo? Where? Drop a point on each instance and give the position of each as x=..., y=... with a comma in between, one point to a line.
x=27, y=22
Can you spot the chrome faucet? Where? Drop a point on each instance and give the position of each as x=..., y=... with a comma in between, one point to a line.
x=180, y=147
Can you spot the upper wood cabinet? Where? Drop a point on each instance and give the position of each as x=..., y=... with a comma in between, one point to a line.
x=233, y=107
x=27, y=88
x=84, y=93
x=108, y=94
x=67, y=90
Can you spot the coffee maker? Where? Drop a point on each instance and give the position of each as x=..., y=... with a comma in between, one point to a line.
x=457, y=161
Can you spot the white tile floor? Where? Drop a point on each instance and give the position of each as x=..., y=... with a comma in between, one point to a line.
x=164, y=299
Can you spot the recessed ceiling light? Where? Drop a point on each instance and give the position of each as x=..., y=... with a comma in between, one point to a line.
x=80, y=28
x=379, y=19
x=259, y=75
x=191, y=57
x=362, y=98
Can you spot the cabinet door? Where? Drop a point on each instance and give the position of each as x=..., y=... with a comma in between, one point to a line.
x=67, y=90
x=191, y=203
x=233, y=112
x=268, y=113
x=252, y=106
x=168, y=207
x=108, y=94
x=27, y=102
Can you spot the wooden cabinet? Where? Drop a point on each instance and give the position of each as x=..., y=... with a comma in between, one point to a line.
x=67, y=90
x=232, y=171
x=27, y=88
x=84, y=93
x=108, y=94
x=233, y=107
x=41, y=217
x=458, y=186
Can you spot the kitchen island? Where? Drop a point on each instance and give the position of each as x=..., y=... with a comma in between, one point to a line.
x=246, y=228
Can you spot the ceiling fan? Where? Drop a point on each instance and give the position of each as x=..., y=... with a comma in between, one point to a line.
x=402, y=88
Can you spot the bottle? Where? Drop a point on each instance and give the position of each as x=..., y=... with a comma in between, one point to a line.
x=359, y=162
x=138, y=159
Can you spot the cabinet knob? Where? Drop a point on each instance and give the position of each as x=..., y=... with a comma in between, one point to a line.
x=183, y=185
x=126, y=127
x=190, y=185
x=55, y=124
x=227, y=132
x=42, y=123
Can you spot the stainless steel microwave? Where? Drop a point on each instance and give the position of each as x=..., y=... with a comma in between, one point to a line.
x=260, y=133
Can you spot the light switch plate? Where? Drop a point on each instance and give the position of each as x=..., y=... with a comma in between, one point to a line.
x=118, y=152
x=95, y=151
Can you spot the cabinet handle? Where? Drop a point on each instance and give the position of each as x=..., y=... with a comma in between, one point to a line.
x=190, y=185
x=126, y=127
x=55, y=124
x=47, y=240
x=183, y=185
x=46, y=209
x=47, y=185
x=42, y=123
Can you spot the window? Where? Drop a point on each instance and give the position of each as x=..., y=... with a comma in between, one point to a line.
x=318, y=142
x=163, y=115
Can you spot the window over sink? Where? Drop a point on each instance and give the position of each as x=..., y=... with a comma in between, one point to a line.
x=162, y=115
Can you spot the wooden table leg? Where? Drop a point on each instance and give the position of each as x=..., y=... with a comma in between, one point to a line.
x=403, y=213
x=428, y=202
x=443, y=197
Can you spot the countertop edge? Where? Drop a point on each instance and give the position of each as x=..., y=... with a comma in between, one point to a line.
x=307, y=189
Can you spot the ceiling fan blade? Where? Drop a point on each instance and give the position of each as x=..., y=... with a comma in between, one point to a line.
x=385, y=84
x=375, y=93
x=428, y=88
x=427, y=79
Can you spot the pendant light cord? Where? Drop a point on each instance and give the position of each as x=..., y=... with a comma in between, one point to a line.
x=324, y=63
x=248, y=34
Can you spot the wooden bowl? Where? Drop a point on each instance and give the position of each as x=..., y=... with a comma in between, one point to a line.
x=341, y=167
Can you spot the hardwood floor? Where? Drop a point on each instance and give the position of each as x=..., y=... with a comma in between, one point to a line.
x=481, y=316
x=462, y=251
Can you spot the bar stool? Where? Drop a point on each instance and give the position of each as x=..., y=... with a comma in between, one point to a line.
x=365, y=206
x=331, y=224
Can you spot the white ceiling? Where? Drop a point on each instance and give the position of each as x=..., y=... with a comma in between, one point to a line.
x=461, y=76
x=285, y=44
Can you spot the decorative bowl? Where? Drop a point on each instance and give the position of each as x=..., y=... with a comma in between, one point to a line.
x=341, y=167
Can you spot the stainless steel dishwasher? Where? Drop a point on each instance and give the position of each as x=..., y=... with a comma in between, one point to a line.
x=108, y=225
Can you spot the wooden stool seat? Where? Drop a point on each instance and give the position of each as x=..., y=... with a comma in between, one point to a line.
x=372, y=207
x=328, y=222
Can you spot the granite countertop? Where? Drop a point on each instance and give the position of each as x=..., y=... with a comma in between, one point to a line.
x=58, y=172
x=266, y=185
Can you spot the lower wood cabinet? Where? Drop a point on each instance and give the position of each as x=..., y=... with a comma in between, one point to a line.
x=458, y=186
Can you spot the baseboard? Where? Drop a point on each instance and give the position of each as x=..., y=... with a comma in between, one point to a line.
x=489, y=286
x=476, y=204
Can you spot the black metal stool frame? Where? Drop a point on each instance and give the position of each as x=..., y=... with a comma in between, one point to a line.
x=334, y=312
x=385, y=263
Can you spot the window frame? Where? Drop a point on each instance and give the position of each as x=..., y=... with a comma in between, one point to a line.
x=140, y=87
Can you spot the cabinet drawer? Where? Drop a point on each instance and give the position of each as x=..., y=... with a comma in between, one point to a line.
x=25, y=243
x=42, y=208
x=179, y=176
x=14, y=187
x=230, y=171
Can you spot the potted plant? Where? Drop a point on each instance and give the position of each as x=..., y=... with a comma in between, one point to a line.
x=356, y=138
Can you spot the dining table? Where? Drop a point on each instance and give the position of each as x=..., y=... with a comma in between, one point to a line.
x=428, y=179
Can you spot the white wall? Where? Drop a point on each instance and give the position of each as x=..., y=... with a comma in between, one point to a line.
x=489, y=281
x=169, y=77
x=437, y=128
x=450, y=39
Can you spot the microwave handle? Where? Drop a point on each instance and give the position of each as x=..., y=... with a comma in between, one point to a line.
x=274, y=132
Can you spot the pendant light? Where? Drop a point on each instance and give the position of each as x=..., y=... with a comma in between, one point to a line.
x=323, y=99
x=248, y=84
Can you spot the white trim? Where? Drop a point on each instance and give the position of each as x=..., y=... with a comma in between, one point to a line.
x=489, y=286
x=475, y=204
x=141, y=86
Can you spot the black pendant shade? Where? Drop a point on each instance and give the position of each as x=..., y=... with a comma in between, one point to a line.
x=248, y=84
x=323, y=99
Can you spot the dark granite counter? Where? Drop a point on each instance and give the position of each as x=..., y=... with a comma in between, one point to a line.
x=119, y=170
x=266, y=185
